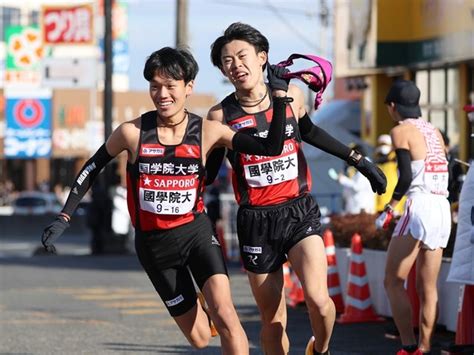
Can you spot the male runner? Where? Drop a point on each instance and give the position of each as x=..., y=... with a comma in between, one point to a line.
x=167, y=150
x=277, y=217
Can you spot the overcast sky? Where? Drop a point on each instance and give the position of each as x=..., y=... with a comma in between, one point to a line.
x=290, y=26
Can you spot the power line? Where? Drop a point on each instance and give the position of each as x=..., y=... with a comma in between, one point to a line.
x=254, y=5
x=294, y=29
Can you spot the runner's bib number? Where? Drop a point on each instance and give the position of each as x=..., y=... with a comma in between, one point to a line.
x=266, y=171
x=174, y=196
x=436, y=177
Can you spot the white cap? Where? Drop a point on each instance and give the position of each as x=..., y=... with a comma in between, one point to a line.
x=384, y=139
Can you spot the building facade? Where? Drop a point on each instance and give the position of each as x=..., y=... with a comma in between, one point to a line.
x=428, y=41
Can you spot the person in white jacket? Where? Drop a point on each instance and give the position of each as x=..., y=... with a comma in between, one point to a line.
x=357, y=192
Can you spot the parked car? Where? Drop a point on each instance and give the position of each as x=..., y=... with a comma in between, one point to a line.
x=36, y=203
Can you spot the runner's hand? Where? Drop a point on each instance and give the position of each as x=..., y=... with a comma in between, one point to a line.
x=383, y=221
x=53, y=232
x=377, y=178
x=275, y=77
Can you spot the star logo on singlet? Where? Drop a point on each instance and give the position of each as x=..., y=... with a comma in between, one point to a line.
x=248, y=157
x=146, y=181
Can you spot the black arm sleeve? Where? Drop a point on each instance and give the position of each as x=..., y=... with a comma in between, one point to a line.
x=273, y=144
x=85, y=178
x=319, y=138
x=213, y=164
x=404, y=173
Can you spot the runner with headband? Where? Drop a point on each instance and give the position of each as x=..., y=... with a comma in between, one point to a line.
x=278, y=219
x=175, y=242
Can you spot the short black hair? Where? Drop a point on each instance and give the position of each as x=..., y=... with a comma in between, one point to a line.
x=238, y=31
x=176, y=63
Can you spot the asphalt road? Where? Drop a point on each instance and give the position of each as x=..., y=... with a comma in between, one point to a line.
x=76, y=303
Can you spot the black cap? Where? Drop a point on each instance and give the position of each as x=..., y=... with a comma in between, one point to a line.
x=406, y=97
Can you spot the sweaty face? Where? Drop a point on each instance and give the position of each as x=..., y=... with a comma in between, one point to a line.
x=242, y=65
x=169, y=95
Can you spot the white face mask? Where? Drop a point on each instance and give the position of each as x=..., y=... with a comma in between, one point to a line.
x=384, y=149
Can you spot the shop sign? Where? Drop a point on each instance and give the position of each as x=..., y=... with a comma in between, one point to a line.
x=28, y=125
x=24, y=54
x=63, y=25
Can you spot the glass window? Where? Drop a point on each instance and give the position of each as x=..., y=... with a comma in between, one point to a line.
x=34, y=17
x=453, y=80
x=453, y=128
x=424, y=113
x=10, y=17
x=437, y=86
x=439, y=99
x=421, y=80
x=436, y=117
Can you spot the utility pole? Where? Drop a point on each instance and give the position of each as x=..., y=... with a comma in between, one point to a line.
x=181, y=23
x=103, y=238
x=108, y=100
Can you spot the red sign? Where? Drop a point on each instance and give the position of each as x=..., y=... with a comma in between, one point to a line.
x=68, y=24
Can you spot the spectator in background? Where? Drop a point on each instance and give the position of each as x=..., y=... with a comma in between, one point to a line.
x=97, y=216
x=386, y=160
x=357, y=192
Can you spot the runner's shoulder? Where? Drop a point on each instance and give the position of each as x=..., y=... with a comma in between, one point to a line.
x=216, y=113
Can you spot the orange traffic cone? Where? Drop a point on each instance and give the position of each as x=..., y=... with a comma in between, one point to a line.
x=287, y=282
x=334, y=285
x=464, y=340
x=358, y=303
x=296, y=295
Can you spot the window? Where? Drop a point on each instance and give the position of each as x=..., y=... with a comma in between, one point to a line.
x=10, y=16
x=438, y=100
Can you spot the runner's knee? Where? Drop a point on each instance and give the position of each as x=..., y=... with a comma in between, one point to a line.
x=224, y=316
x=200, y=339
x=320, y=302
x=392, y=281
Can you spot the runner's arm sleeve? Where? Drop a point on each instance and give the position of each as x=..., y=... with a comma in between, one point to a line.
x=319, y=138
x=85, y=178
x=273, y=144
x=213, y=164
x=404, y=173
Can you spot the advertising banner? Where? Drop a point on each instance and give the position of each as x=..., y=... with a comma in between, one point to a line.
x=64, y=25
x=28, y=125
x=71, y=112
x=120, y=50
x=24, y=54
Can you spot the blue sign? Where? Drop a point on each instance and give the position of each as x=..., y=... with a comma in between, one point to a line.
x=120, y=55
x=28, y=131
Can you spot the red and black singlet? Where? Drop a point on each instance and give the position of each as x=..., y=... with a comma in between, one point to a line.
x=260, y=180
x=165, y=183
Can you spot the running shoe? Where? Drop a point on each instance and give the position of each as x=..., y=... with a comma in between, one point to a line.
x=310, y=347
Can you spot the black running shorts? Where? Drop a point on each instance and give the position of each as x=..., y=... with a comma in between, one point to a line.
x=267, y=233
x=169, y=256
